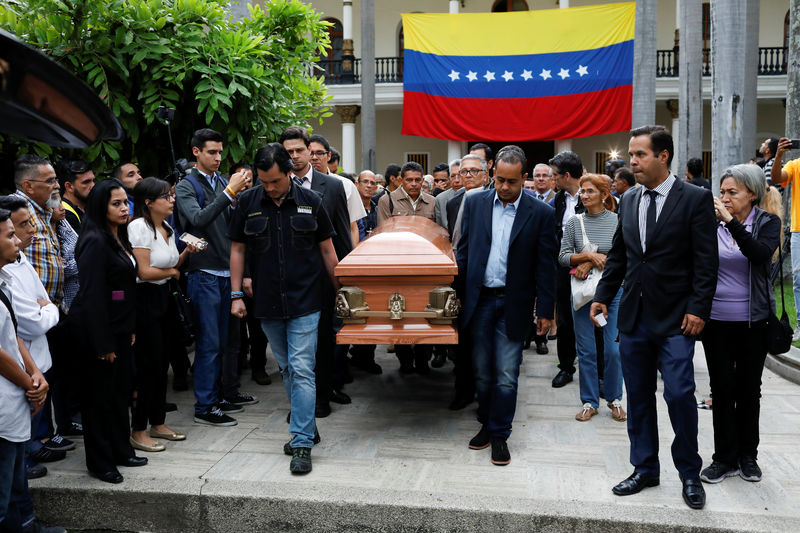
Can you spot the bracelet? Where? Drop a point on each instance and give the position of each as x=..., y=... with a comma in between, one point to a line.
x=237, y=295
x=230, y=191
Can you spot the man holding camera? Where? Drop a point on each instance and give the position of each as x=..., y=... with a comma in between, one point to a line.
x=782, y=175
x=209, y=283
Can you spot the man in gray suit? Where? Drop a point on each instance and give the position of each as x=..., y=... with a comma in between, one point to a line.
x=440, y=209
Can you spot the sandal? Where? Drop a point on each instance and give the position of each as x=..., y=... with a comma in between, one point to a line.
x=617, y=412
x=586, y=413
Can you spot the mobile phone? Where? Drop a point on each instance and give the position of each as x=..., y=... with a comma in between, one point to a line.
x=188, y=238
x=795, y=144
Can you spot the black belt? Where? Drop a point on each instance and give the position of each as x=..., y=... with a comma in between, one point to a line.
x=494, y=292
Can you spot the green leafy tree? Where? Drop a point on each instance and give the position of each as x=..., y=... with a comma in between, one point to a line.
x=248, y=79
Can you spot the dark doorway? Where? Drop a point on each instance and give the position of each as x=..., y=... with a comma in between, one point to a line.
x=535, y=151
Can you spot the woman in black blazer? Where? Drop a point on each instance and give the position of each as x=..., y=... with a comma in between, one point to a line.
x=103, y=315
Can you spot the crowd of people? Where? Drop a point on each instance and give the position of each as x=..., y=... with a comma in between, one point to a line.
x=624, y=270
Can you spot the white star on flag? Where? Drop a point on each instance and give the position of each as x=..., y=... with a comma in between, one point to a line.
x=582, y=70
x=472, y=76
x=508, y=76
x=545, y=74
x=563, y=73
x=527, y=74
x=453, y=75
x=489, y=76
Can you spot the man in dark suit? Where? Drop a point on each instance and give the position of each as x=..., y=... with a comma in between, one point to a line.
x=474, y=173
x=665, y=249
x=296, y=141
x=567, y=171
x=505, y=262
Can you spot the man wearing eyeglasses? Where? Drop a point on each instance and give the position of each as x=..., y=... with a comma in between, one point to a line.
x=36, y=180
x=474, y=173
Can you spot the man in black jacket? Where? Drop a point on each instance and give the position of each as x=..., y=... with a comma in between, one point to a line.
x=567, y=171
x=296, y=141
x=665, y=249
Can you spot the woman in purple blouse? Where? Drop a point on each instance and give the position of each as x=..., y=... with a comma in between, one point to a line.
x=734, y=338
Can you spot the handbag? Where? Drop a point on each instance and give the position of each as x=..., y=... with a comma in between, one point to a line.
x=184, y=313
x=779, y=331
x=583, y=289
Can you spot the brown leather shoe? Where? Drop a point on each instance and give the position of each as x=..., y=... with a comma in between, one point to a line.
x=586, y=413
x=617, y=412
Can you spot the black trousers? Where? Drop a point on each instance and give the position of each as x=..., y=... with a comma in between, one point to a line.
x=63, y=376
x=410, y=355
x=253, y=338
x=104, y=406
x=464, y=366
x=735, y=354
x=566, y=329
x=325, y=345
x=150, y=355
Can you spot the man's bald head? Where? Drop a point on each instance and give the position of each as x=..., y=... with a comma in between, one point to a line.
x=367, y=184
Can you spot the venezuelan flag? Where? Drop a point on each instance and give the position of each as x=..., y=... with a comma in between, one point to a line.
x=533, y=75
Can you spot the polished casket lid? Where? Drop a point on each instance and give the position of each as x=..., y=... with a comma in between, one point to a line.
x=402, y=246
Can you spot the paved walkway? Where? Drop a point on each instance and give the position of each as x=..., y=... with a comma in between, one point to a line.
x=397, y=460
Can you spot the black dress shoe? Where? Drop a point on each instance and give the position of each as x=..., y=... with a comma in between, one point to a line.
x=562, y=378
x=500, y=454
x=541, y=348
x=340, y=397
x=368, y=366
x=439, y=360
x=460, y=402
x=322, y=410
x=170, y=407
x=35, y=471
x=111, y=476
x=422, y=368
x=693, y=493
x=133, y=461
x=635, y=483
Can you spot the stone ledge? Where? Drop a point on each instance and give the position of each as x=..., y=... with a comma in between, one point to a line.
x=786, y=365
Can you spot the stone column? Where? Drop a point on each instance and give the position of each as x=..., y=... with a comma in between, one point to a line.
x=673, y=107
x=453, y=6
x=793, y=73
x=239, y=9
x=644, y=64
x=348, y=114
x=348, y=56
x=733, y=28
x=368, y=126
x=690, y=83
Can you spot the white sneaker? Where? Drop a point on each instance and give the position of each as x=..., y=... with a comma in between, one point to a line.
x=796, y=336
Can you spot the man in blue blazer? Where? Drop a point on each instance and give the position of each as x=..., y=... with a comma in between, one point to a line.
x=665, y=249
x=505, y=262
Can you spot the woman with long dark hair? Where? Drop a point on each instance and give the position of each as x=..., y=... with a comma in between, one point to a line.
x=103, y=315
x=153, y=243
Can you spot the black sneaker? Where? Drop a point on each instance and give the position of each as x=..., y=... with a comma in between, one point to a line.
x=43, y=455
x=73, y=430
x=59, y=443
x=215, y=417
x=500, y=454
x=301, y=461
x=749, y=470
x=37, y=527
x=481, y=440
x=227, y=407
x=287, y=448
x=717, y=471
x=241, y=399
x=35, y=471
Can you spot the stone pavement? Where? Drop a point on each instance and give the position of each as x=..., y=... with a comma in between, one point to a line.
x=397, y=460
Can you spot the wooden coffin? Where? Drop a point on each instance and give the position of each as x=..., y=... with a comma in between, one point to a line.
x=396, y=286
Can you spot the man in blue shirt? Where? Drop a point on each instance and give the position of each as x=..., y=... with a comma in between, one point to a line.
x=505, y=262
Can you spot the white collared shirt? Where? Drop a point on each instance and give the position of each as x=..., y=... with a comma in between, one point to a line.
x=569, y=212
x=15, y=415
x=305, y=179
x=644, y=202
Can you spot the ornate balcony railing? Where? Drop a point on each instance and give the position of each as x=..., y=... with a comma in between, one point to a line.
x=771, y=62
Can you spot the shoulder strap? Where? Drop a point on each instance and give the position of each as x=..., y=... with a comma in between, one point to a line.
x=7, y=303
x=198, y=190
x=780, y=260
x=583, y=230
x=71, y=210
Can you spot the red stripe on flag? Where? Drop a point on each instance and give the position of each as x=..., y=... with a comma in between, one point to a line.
x=544, y=118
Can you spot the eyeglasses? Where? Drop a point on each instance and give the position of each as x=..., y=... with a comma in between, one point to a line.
x=470, y=172
x=166, y=196
x=588, y=191
x=319, y=153
x=50, y=181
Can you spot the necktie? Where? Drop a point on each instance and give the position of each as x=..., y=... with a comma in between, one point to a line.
x=650, y=223
x=541, y=197
x=297, y=181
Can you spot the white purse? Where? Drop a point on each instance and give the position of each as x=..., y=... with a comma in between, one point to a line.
x=583, y=289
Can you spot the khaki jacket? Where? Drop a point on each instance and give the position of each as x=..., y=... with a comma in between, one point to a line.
x=402, y=206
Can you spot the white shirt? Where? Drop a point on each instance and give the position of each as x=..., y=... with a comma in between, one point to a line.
x=33, y=320
x=355, y=208
x=15, y=414
x=662, y=192
x=569, y=212
x=305, y=180
x=163, y=254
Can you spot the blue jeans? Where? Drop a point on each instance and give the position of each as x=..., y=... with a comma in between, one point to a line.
x=795, y=243
x=587, y=355
x=211, y=299
x=294, y=343
x=16, y=506
x=496, y=359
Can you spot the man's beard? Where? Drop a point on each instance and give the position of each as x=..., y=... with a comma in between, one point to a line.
x=54, y=201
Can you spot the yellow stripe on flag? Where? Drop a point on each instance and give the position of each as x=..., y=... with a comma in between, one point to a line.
x=521, y=32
